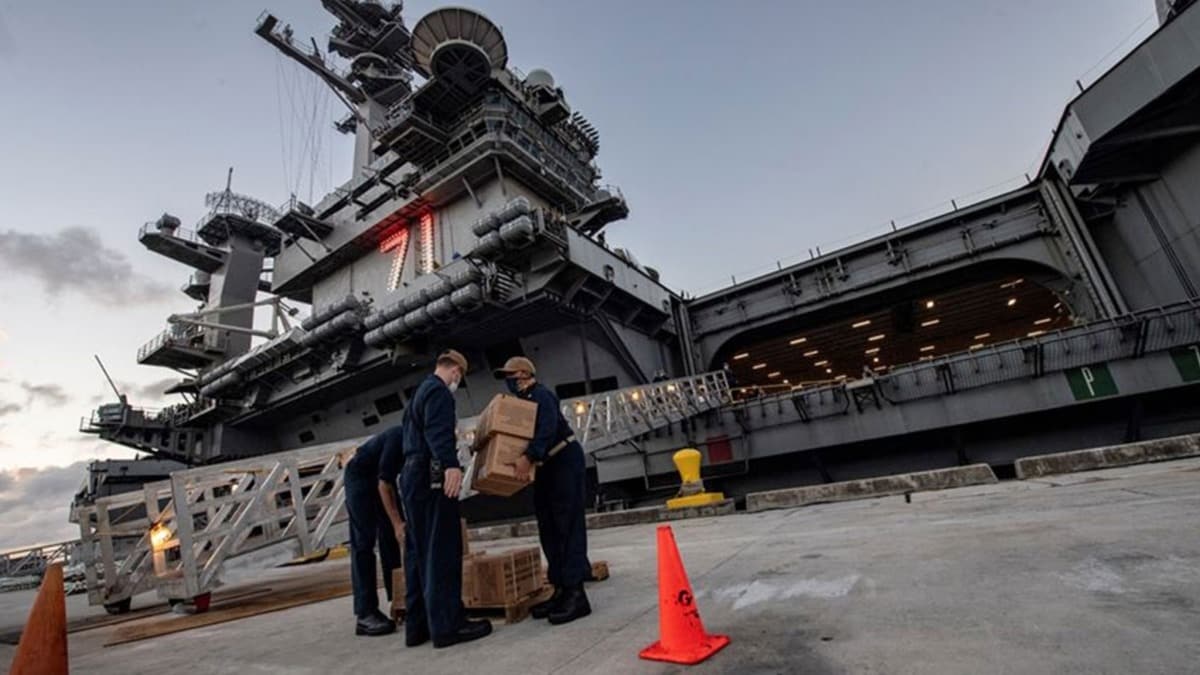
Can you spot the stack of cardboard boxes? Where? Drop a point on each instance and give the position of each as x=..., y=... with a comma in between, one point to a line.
x=503, y=433
x=488, y=580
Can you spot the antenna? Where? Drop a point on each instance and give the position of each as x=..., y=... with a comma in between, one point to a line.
x=110, y=380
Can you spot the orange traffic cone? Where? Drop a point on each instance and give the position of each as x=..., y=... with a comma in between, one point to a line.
x=43, y=646
x=681, y=634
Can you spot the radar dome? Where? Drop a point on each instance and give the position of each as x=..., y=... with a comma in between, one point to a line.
x=539, y=77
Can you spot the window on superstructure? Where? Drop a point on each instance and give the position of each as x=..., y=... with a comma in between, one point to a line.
x=389, y=404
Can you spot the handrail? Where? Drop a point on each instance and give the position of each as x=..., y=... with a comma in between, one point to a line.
x=1127, y=336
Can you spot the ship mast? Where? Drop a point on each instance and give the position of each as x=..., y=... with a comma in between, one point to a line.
x=374, y=39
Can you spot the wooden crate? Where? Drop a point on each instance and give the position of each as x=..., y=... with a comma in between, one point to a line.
x=599, y=572
x=399, y=585
x=512, y=612
x=502, y=578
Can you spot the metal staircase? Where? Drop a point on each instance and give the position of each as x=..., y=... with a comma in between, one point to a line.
x=136, y=542
x=611, y=418
x=294, y=499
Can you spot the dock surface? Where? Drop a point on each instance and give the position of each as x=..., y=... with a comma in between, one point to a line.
x=1095, y=572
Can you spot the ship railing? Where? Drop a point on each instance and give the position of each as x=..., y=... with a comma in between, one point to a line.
x=181, y=233
x=613, y=190
x=181, y=334
x=610, y=418
x=294, y=203
x=1125, y=337
x=1169, y=328
x=32, y=561
x=404, y=109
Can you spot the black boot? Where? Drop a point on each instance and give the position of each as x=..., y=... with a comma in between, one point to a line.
x=374, y=624
x=469, y=630
x=545, y=607
x=574, y=604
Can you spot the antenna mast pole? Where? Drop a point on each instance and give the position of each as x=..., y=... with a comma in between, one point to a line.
x=110, y=380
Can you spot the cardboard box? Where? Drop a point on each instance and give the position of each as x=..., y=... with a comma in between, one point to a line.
x=399, y=584
x=507, y=415
x=495, y=470
x=501, y=578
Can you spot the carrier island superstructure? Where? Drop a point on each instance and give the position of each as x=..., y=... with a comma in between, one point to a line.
x=1058, y=315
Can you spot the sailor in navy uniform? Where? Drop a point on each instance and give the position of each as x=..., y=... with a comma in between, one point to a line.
x=375, y=519
x=558, y=495
x=429, y=487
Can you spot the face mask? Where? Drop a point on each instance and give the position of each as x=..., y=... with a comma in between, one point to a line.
x=511, y=383
x=453, y=386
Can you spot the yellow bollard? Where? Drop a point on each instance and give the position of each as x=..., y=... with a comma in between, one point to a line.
x=691, y=493
x=687, y=462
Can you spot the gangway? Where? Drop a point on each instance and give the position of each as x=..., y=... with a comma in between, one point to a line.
x=175, y=536
x=33, y=561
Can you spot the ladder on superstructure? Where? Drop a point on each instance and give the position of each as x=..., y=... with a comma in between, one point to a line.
x=176, y=535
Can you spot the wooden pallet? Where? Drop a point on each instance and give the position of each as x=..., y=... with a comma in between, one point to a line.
x=599, y=572
x=514, y=611
x=250, y=606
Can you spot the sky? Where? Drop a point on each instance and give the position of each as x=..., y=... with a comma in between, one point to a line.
x=741, y=134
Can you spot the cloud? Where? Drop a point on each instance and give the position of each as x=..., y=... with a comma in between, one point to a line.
x=9, y=408
x=36, y=504
x=139, y=393
x=76, y=260
x=50, y=394
x=153, y=390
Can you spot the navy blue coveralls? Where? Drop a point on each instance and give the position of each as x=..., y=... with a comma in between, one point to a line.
x=432, y=539
x=558, y=492
x=369, y=523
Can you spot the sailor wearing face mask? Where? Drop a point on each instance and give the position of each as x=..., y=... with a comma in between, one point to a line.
x=558, y=495
x=429, y=486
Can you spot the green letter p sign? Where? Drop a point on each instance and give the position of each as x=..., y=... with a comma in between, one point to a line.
x=1091, y=382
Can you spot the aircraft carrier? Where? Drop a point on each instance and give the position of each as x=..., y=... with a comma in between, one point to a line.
x=1062, y=314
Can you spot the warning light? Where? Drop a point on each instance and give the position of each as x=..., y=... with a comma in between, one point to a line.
x=159, y=536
